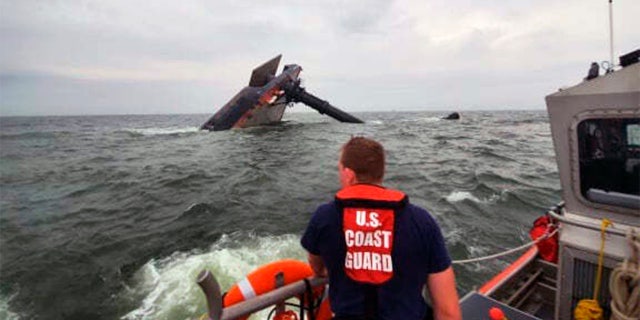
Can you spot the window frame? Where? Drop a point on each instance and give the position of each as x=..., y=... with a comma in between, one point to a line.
x=574, y=157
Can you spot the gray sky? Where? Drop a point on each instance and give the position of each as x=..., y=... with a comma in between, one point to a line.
x=191, y=56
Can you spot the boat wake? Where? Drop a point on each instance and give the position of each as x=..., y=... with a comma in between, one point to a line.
x=162, y=287
x=457, y=196
x=5, y=313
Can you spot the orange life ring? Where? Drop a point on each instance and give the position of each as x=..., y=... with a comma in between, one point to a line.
x=262, y=280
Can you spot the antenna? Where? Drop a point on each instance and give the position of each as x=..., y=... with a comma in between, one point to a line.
x=610, y=69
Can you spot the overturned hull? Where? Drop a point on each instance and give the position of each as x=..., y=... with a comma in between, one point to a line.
x=265, y=99
x=248, y=108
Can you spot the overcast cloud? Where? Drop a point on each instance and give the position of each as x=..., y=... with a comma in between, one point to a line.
x=191, y=56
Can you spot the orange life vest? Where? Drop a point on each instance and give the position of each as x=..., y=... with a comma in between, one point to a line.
x=368, y=223
x=547, y=248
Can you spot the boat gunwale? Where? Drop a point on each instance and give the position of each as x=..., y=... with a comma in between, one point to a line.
x=501, y=278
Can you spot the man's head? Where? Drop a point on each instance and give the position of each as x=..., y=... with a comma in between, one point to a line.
x=361, y=161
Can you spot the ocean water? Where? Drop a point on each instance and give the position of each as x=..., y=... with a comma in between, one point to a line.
x=112, y=217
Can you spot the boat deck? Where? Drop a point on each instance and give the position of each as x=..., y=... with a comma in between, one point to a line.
x=476, y=306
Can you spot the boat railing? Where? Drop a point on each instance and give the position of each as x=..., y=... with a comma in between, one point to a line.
x=278, y=296
x=556, y=213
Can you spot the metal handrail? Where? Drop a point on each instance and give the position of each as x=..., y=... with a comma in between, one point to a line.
x=270, y=298
x=611, y=230
x=255, y=304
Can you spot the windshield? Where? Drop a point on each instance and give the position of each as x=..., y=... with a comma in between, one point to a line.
x=609, y=152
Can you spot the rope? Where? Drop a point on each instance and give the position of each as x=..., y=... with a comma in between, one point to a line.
x=510, y=251
x=589, y=309
x=596, y=289
x=624, y=283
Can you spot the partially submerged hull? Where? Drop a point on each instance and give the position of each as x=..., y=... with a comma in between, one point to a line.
x=263, y=115
x=260, y=103
x=247, y=109
x=265, y=99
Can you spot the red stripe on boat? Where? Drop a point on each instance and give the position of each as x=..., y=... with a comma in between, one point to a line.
x=509, y=271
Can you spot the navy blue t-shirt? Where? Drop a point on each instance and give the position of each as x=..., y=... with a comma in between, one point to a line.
x=418, y=250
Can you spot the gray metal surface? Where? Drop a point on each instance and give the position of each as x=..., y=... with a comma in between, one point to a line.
x=577, y=280
x=262, y=74
x=476, y=307
x=531, y=290
x=587, y=225
x=267, y=114
x=614, y=198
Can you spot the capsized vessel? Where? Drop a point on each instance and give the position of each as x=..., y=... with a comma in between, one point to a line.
x=266, y=98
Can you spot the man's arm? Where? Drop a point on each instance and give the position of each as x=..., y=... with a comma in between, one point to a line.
x=442, y=289
x=317, y=265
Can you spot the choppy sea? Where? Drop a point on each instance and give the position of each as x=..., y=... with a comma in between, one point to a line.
x=112, y=217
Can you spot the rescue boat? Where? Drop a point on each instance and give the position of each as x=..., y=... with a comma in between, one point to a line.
x=583, y=260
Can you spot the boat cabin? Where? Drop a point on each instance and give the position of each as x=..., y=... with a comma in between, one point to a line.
x=596, y=134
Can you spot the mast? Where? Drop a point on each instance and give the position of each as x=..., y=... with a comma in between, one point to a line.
x=611, y=62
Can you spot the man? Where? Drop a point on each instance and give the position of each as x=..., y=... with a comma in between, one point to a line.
x=377, y=249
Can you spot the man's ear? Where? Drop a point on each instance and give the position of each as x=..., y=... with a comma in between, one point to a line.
x=350, y=176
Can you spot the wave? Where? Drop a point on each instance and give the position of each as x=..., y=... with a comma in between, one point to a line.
x=161, y=131
x=526, y=128
x=479, y=251
x=457, y=196
x=5, y=313
x=167, y=286
x=462, y=245
x=130, y=196
x=35, y=135
x=422, y=119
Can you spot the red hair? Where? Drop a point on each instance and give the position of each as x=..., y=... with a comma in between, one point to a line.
x=365, y=157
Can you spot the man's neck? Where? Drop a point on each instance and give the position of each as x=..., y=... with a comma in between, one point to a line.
x=376, y=184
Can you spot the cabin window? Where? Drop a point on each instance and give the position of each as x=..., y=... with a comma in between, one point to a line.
x=609, y=152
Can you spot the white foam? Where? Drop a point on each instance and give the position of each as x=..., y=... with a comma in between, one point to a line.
x=5, y=313
x=479, y=251
x=476, y=251
x=423, y=119
x=457, y=196
x=168, y=285
x=430, y=119
x=163, y=131
x=453, y=235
